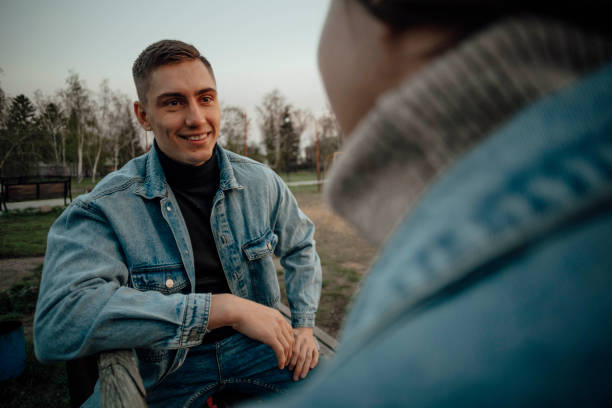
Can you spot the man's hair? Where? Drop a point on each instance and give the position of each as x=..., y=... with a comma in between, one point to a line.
x=475, y=14
x=162, y=53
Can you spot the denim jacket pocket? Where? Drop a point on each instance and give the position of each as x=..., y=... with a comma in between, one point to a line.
x=260, y=247
x=166, y=279
x=263, y=279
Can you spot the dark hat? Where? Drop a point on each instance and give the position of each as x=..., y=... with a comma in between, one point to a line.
x=404, y=13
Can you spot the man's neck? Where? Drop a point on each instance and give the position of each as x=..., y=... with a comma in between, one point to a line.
x=181, y=175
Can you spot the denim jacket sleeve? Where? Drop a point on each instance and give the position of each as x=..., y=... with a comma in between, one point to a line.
x=299, y=259
x=85, y=304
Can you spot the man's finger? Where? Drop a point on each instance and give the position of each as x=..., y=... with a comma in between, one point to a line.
x=288, y=335
x=299, y=366
x=306, y=365
x=296, y=352
x=315, y=358
x=285, y=349
x=279, y=350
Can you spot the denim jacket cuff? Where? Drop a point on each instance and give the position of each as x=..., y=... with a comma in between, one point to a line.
x=195, y=319
x=302, y=319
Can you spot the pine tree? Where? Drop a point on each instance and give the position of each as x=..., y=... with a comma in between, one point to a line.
x=289, y=143
x=17, y=143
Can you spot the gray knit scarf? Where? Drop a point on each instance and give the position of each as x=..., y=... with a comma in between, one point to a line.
x=417, y=130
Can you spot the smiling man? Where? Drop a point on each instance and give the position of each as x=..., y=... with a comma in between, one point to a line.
x=172, y=255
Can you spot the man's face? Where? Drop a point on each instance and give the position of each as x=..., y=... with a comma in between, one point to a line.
x=183, y=111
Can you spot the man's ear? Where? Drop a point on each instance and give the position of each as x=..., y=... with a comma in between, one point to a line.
x=141, y=115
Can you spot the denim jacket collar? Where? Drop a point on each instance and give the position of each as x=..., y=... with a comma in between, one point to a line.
x=550, y=165
x=155, y=185
x=227, y=179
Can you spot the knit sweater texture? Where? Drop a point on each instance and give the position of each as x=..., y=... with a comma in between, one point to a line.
x=416, y=131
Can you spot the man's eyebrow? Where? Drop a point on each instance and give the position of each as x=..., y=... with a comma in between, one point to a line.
x=180, y=95
x=206, y=90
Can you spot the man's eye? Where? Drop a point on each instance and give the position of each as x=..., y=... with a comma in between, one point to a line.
x=172, y=102
x=207, y=99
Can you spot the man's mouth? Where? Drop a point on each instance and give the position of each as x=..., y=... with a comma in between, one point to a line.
x=195, y=138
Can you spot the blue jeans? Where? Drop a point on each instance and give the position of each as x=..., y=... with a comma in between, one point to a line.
x=236, y=364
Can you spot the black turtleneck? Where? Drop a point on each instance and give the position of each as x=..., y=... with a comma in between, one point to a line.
x=194, y=188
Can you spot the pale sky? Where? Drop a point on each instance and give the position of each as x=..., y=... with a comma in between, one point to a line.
x=253, y=45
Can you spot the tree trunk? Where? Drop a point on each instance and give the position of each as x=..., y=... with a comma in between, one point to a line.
x=80, y=146
x=116, y=155
x=277, y=150
x=80, y=163
x=95, y=163
x=63, y=150
x=56, y=148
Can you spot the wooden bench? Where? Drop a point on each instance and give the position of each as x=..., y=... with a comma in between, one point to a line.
x=122, y=386
x=24, y=188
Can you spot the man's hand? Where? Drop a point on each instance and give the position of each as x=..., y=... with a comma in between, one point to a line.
x=305, y=352
x=256, y=321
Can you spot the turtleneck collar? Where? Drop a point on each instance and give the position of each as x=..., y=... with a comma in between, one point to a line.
x=417, y=130
x=184, y=176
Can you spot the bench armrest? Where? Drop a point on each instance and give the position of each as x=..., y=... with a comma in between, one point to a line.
x=120, y=381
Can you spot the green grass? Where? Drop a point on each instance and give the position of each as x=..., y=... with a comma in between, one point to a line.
x=299, y=176
x=304, y=189
x=24, y=233
x=84, y=186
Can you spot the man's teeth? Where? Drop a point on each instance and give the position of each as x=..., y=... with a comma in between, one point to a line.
x=200, y=137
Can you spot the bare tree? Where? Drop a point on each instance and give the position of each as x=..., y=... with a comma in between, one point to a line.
x=330, y=140
x=125, y=139
x=79, y=107
x=300, y=118
x=52, y=124
x=234, y=124
x=271, y=118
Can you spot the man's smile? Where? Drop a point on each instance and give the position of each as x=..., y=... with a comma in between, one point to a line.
x=196, y=137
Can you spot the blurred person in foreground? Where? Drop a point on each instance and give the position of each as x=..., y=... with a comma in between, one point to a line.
x=172, y=255
x=479, y=157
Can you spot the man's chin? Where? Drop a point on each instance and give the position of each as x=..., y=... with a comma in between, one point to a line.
x=197, y=160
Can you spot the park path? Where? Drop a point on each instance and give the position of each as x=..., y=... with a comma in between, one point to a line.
x=22, y=205
x=58, y=202
x=13, y=270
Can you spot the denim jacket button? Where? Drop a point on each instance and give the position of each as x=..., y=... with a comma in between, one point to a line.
x=169, y=208
x=169, y=283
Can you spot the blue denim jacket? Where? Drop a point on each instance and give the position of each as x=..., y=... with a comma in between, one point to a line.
x=495, y=289
x=112, y=252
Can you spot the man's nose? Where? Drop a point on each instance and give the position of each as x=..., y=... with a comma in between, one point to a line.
x=195, y=116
